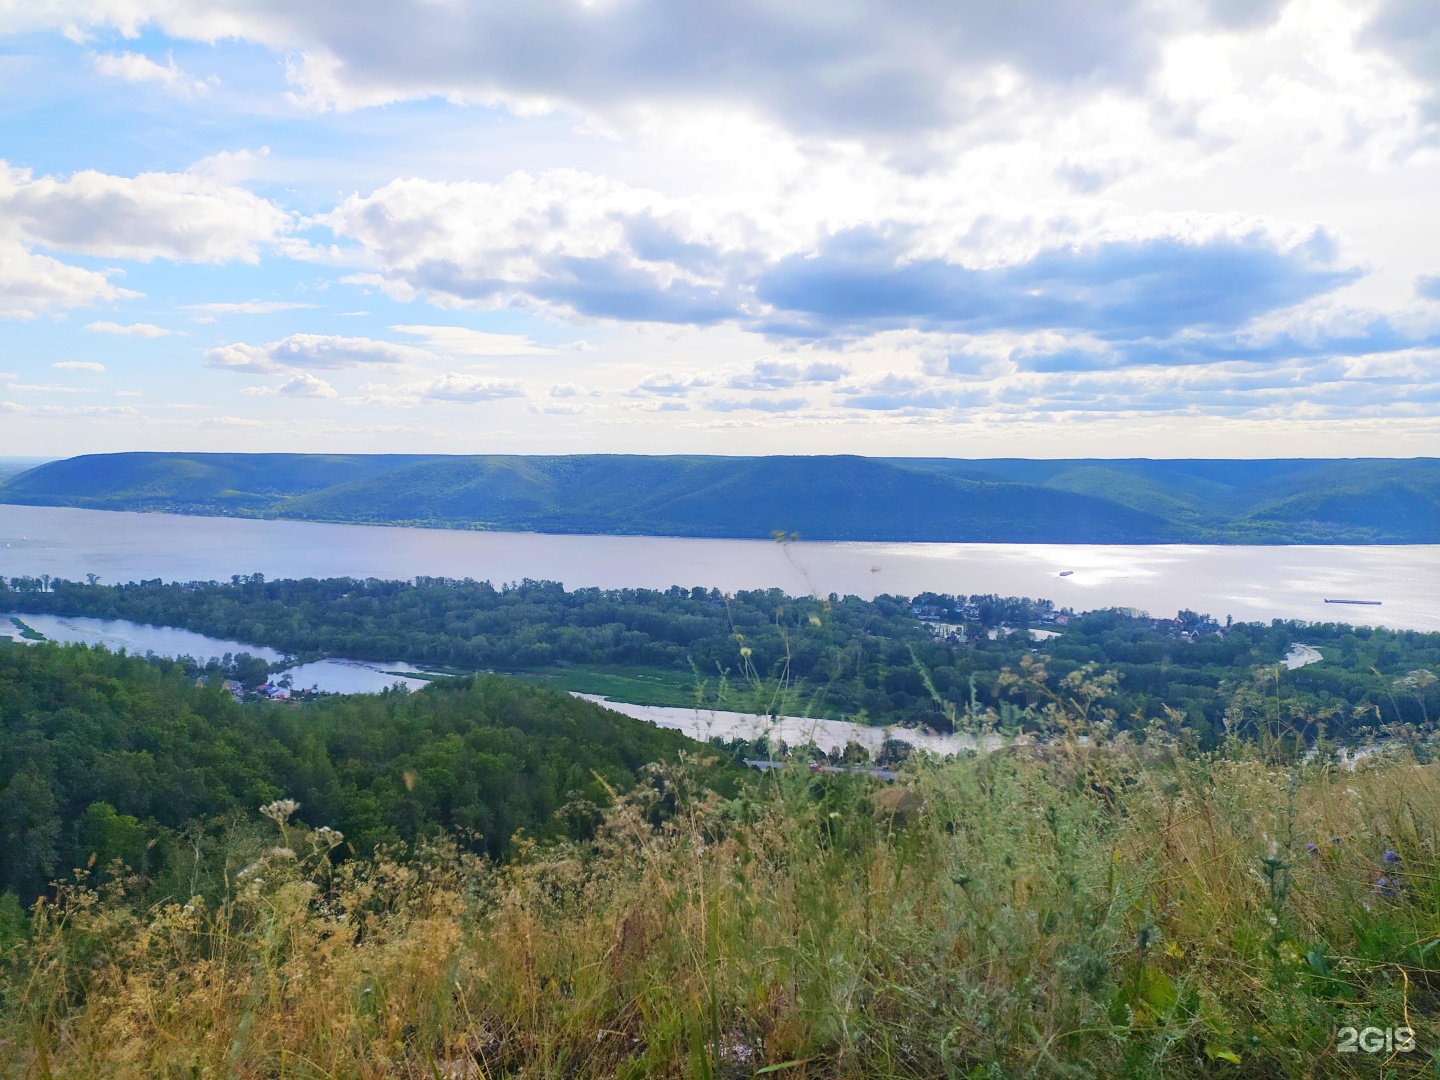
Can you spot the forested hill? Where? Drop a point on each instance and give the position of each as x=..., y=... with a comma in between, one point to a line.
x=820, y=498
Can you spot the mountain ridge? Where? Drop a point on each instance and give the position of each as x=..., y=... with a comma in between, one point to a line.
x=840, y=497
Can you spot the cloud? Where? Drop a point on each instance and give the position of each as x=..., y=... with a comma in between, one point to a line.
x=858, y=69
x=566, y=240
x=1410, y=31
x=664, y=384
x=462, y=341
x=319, y=351
x=301, y=385
x=78, y=365
x=758, y=404
x=48, y=388
x=767, y=373
x=31, y=284
x=136, y=68
x=247, y=307
x=468, y=389
x=860, y=281
x=453, y=388
x=194, y=216
x=143, y=330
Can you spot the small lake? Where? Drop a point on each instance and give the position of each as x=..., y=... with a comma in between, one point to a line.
x=331, y=676
x=1248, y=583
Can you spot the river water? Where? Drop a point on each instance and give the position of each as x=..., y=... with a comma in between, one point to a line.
x=1248, y=583
x=331, y=676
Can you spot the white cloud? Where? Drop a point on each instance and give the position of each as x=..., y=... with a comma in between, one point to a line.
x=666, y=384
x=78, y=365
x=462, y=341
x=137, y=68
x=468, y=389
x=301, y=385
x=321, y=351
x=757, y=404
x=142, y=330
x=454, y=388
x=768, y=373
x=247, y=307
x=31, y=284
x=194, y=216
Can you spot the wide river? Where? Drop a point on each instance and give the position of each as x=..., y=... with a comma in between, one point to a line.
x=1247, y=583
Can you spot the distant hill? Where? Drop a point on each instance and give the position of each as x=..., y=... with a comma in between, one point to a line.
x=1014, y=500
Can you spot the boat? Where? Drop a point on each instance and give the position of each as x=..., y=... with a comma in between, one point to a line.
x=1066, y=573
x=1363, y=603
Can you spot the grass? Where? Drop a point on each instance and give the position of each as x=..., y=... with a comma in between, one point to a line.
x=636, y=685
x=1066, y=911
x=27, y=632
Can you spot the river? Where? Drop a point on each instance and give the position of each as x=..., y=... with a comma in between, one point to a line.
x=1248, y=583
x=332, y=676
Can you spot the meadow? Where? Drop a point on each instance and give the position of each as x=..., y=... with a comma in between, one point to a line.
x=1073, y=910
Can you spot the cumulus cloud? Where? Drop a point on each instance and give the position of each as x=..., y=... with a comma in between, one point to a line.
x=863, y=69
x=302, y=384
x=666, y=384
x=768, y=373
x=756, y=404
x=194, y=216
x=142, y=330
x=78, y=365
x=462, y=341
x=1152, y=287
x=468, y=389
x=313, y=351
x=569, y=240
x=138, y=68
x=452, y=388
x=31, y=283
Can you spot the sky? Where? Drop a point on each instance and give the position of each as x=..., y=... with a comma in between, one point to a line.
x=1043, y=228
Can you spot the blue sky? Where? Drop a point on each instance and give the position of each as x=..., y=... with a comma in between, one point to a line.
x=1048, y=228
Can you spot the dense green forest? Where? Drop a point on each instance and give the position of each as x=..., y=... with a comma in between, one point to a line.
x=818, y=498
x=122, y=758
x=879, y=661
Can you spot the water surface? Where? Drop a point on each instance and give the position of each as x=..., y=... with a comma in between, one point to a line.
x=1246, y=582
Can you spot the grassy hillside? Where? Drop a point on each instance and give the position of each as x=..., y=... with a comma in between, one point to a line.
x=820, y=498
x=1076, y=912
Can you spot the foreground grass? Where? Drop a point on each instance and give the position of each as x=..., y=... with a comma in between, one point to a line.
x=1071, y=911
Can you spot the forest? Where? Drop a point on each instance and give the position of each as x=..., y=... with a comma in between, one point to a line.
x=839, y=497
x=106, y=757
x=927, y=660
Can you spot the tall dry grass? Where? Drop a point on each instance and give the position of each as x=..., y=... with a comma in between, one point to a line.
x=1065, y=911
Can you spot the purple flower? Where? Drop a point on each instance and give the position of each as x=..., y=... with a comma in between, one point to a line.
x=1392, y=856
x=1312, y=848
x=1385, y=887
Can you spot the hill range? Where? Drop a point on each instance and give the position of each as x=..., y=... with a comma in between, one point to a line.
x=1002, y=500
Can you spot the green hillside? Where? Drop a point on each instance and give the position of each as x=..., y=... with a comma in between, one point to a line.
x=820, y=498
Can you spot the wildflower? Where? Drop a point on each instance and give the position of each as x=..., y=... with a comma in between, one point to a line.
x=1391, y=856
x=1334, y=839
x=1385, y=887
x=280, y=810
x=1312, y=848
x=327, y=837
